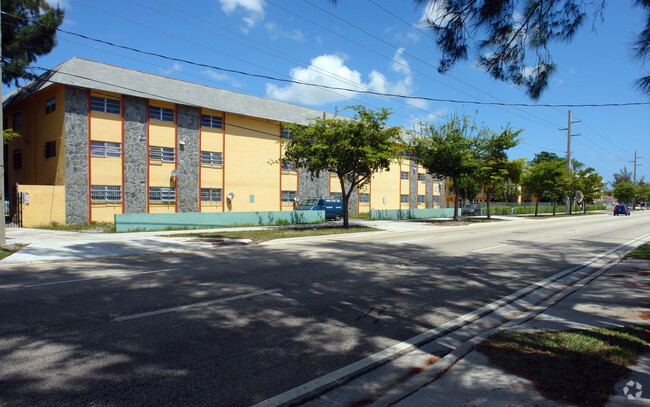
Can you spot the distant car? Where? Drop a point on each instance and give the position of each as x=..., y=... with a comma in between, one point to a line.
x=470, y=210
x=621, y=210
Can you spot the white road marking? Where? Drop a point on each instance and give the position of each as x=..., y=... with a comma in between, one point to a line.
x=488, y=248
x=98, y=278
x=196, y=305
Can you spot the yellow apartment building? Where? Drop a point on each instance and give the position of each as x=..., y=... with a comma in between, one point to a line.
x=107, y=140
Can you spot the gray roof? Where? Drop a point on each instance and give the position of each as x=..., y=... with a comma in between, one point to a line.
x=109, y=78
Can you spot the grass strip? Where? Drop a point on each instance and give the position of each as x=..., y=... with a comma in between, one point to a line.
x=575, y=366
x=270, y=234
x=641, y=252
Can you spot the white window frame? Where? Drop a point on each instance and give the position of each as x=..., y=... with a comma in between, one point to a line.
x=160, y=113
x=422, y=176
x=17, y=158
x=50, y=105
x=164, y=154
x=50, y=149
x=106, y=193
x=288, y=196
x=364, y=197
x=105, y=105
x=211, y=158
x=404, y=198
x=285, y=133
x=17, y=121
x=162, y=194
x=211, y=195
x=404, y=175
x=214, y=122
x=289, y=166
x=105, y=149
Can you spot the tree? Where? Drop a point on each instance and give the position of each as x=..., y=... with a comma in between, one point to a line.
x=8, y=135
x=546, y=156
x=28, y=31
x=543, y=178
x=590, y=184
x=623, y=176
x=510, y=39
x=642, y=192
x=507, y=190
x=353, y=149
x=624, y=192
x=493, y=161
x=468, y=189
x=449, y=150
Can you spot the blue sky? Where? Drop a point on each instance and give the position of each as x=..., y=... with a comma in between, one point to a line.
x=356, y=44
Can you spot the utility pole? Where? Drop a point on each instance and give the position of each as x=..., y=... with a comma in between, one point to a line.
x=635, y=164
x=569, y=163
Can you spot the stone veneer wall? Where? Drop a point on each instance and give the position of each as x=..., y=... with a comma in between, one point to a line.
x=187, y=159
x=313, y=188
x=413, y=185
x=76, y=156
x=136, y=157
x=428, y=199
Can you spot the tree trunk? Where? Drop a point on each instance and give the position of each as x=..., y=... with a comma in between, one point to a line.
x=537, y=205
x=487, y=192
x=456, y=192
x=554, y=203
x=345, y=197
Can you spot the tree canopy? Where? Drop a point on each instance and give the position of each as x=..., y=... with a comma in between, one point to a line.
x=623, y=176
x=28, y=31
x=544, y=178
x=353, y=149
x=494, y=166
x=450, y=149
x=510, y=39
x=624, y=191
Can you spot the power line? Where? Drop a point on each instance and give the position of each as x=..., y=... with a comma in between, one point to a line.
x=414, y=56
x=383, y=94
x=280, y=55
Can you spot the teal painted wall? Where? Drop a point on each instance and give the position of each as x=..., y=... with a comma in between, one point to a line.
x=412, y=213
x=158, y=221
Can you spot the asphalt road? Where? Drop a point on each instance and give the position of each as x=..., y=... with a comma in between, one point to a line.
x=238, y=325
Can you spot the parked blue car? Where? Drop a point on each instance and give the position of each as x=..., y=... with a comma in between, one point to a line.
x=333, y=207
x=621, y=210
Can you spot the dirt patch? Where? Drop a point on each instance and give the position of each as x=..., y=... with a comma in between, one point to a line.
x=446, y=223
x=229, y=242
x=419, y=369
x=640, y=283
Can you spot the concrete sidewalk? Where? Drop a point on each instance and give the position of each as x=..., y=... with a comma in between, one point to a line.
x=50, y=246
x=619, y=297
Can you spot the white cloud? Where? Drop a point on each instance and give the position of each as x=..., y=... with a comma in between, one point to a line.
x=275, y=32
x=429, y=118
x=222, y=77
x=176, y=67
x=437, y=13
x=408, y=37
x=253, y=10
x=330, y=70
